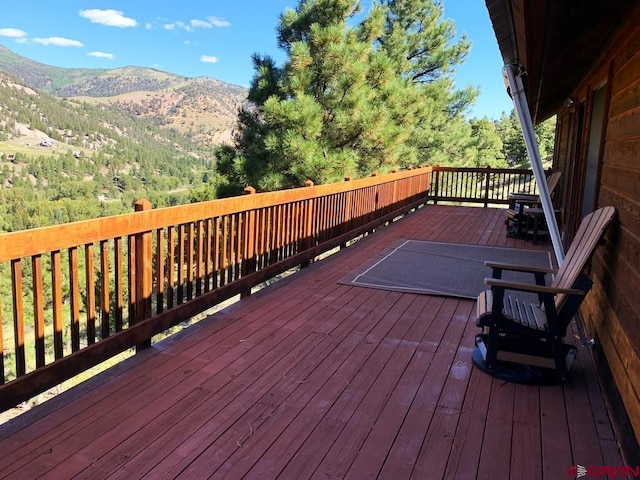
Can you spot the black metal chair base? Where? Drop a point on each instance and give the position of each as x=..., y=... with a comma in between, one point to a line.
x=516, y=372
x=519, y=372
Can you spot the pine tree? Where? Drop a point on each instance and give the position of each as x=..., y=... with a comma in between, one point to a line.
x=422, y=47
x=514, y=148
x=487, y=144
x=352, y=98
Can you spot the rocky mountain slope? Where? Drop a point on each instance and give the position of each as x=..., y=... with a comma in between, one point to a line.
x=204, y=109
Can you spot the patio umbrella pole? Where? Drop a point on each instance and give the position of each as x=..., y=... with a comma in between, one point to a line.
x=512, y=73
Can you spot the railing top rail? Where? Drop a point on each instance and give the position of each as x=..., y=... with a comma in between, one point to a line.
x=515, y=171
x=38, y=241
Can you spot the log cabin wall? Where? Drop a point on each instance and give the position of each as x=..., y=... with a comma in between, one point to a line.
x=611, y=311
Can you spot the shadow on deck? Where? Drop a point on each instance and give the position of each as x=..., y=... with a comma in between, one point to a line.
x=310, y=378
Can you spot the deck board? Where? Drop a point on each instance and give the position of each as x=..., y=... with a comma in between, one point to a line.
x=310, y=378
x=526, y=454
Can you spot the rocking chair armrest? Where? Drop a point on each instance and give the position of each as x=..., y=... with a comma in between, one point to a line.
x=526, y=287
x=518, y=268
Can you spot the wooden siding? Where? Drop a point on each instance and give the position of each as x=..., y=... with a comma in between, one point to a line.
x=309, y=378
x=612, y=313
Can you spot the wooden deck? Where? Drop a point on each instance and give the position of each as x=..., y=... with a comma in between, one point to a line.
x=310, y=378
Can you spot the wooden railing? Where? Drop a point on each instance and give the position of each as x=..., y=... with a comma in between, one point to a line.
x=479, y=185
x=83, y=292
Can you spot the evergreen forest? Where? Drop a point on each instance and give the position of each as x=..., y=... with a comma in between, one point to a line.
x=64, y=160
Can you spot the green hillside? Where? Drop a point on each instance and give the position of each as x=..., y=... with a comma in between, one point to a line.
x=63, y=160
x=73, y=82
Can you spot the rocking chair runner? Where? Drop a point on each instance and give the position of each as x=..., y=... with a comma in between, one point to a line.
x=522, y=342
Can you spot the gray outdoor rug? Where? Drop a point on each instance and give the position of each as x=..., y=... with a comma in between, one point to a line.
x=449, y=269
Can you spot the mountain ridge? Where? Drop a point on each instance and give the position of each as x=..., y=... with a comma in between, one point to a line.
x=203, y=108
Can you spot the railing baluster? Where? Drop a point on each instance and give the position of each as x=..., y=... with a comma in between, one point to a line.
x=56, y=287
x=262, y=238
x=119, y=275
x=18, y=316
x=233, y=247
x=289, y=229
x=105, y=297
x=224, y=245
x=74, y=296
x=199, y=257
x=131, y=266
x=487, y=185
x=180, y=274
x=190, y=259
x=296, y=228
x=278, y=232
x=90, y=278
x=207, y=255
x=273, y=241
x=160, y=263
x=216, y=253
x=248, y=242
x=171, y=265
x=38, y=309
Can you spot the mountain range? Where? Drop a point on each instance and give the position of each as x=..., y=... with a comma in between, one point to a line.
x=79, y=143
x=203, y=108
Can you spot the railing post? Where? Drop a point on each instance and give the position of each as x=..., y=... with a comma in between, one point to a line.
x=307, y=234
x=374, y=212
x=486, y=186
x=143, y=273
x=436, y=186
x=348, y=211
x=394, y=199
x=248, y=248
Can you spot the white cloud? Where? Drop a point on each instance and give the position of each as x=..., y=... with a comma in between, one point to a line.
x=110, y=56
x=12, y=33
x=148, y=26
x=195, y=23
x=209, y=59
x=58, y=42
x=219, y=22
x=110, y=17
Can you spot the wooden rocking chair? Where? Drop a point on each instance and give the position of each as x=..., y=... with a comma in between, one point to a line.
x=521, y=341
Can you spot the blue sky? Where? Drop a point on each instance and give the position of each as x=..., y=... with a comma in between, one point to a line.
x=200, y=38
